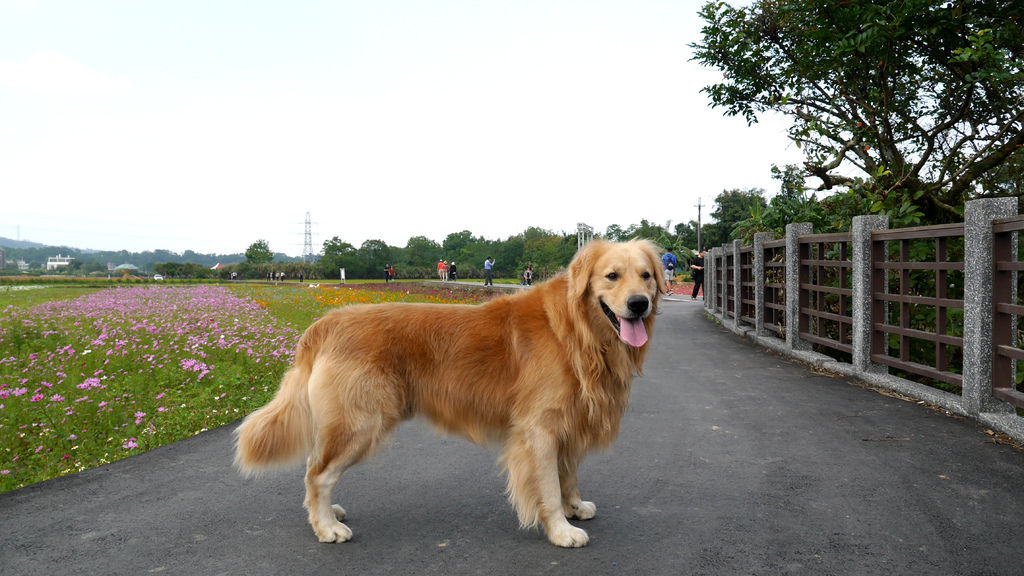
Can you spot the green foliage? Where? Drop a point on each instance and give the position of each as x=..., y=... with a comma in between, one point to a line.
x=921, y=97
x=259, y=253
x=737, y=213
x=421, y=252
x=337, y=254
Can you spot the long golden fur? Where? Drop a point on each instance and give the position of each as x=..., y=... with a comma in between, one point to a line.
x=545, y=373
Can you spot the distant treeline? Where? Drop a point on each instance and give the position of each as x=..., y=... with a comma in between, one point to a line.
x=95, y=262
x=545, y=251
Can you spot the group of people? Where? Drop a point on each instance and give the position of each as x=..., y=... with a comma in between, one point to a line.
x=447, y=271
x=670, y=263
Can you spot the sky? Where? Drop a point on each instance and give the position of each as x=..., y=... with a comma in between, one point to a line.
x=207, y=125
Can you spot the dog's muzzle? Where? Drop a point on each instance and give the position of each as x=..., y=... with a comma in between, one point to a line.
x=631, y=328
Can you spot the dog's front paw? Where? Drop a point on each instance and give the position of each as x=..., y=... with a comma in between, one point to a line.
x=582, y=511
x=335, y=532
x=569, y=536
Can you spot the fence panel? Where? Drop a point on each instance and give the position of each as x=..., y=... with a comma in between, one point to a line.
x=729, y=294
x=775, y=287
x=918, y=295
x=747, y=306
x=1007, y=309
x=719, y=286
x=826, y=291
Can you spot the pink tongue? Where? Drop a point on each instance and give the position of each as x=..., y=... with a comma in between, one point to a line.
x=632, y=331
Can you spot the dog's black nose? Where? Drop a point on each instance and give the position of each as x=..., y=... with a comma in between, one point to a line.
x=638, y=304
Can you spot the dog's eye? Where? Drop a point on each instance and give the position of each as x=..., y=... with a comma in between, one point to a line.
x=646, y=276
x=612, y=276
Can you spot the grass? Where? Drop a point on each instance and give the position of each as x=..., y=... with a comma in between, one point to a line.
x=89, y=376
x=31, y=294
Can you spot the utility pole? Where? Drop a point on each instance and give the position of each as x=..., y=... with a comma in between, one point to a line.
x=698, y=225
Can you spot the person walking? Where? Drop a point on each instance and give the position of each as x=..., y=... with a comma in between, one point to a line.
x=453, y=272
x=488, y=266
x=669, y=262
x=697, y=273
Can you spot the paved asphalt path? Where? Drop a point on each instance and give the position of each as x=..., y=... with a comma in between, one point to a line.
x=731, y=461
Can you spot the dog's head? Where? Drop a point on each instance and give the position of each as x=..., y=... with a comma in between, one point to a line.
x=618, y=284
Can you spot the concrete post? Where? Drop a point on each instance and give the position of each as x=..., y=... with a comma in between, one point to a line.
x=977, y=376
x=759, y=239
x=862, y=298
x=710, y=273
x=793, y=232
x=737, y=279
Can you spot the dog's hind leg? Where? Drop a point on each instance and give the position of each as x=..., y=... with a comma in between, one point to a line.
x=345, y=434
x=323, y=516
x=533, y=477
x=572, y=504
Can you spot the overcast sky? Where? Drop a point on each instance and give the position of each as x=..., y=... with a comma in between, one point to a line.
x=207, y=125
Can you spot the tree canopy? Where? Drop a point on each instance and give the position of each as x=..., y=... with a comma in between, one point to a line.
x=259, y=253
x=915, y=105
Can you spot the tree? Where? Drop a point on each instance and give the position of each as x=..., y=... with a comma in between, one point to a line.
x=456, y=242
x=374, y=254
x=337, y=254
x=917, y=99
x=686, y=234
x=422, y=252
x=731, y=208
x=616, y=233
x=259, y=253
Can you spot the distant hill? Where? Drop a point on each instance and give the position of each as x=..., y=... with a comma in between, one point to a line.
x=35, y=254
x=8, y=243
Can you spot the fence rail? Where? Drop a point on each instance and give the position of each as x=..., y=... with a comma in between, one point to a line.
x=1007, y=272
x=918, y=282
x=933, y=312
x=825, y=291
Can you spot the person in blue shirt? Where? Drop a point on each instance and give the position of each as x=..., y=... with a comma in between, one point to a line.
x=488, y=264
x=669, y=261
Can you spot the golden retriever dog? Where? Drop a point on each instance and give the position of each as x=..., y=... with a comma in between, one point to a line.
x=544, y=373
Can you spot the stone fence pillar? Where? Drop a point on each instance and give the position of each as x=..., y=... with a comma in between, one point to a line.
x=710, y=276
x=977, y=376
x=860, y=244
x=737, y=279
x=793, y=233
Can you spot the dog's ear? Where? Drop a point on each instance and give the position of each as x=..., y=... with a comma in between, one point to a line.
x=581, y=267
x=655, y=260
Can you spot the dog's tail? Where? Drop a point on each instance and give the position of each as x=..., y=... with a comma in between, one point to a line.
x=280, y=433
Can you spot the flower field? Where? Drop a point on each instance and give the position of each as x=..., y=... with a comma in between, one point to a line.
x=93, y=379
x=300, y=306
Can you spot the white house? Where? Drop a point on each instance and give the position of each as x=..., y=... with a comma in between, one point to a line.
x=54, y=262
